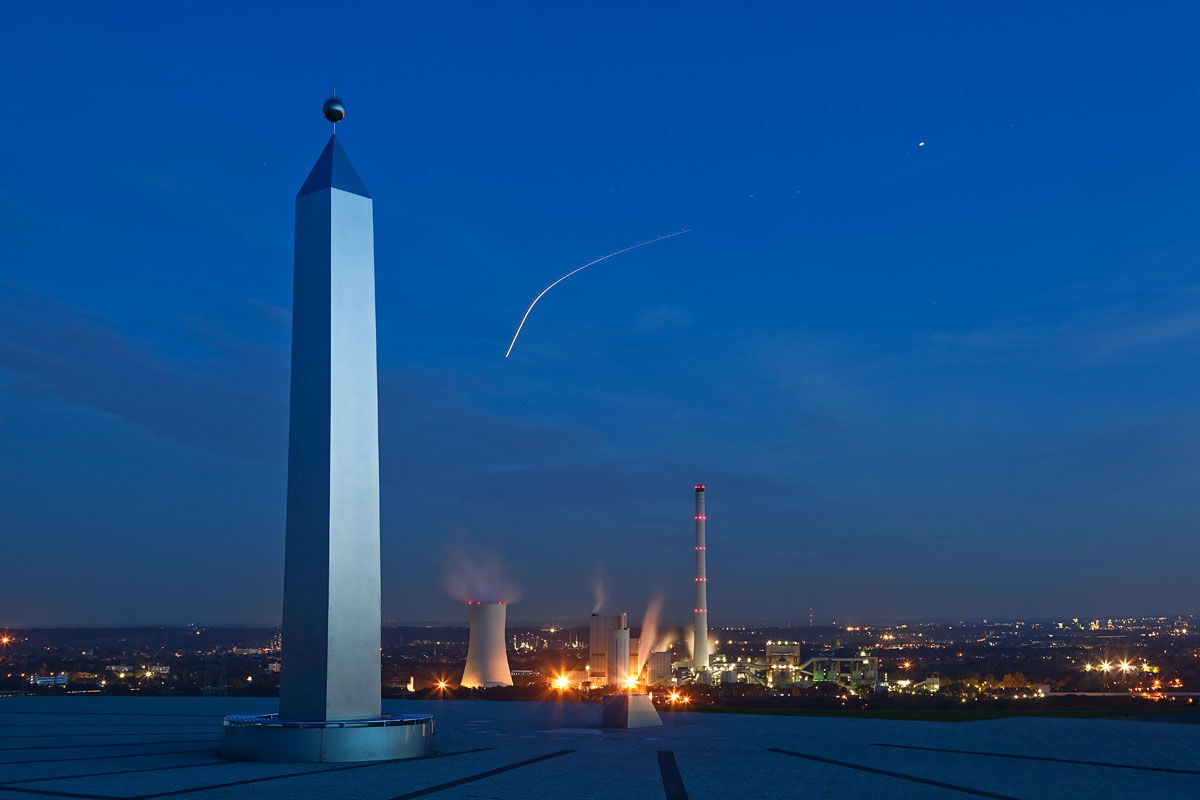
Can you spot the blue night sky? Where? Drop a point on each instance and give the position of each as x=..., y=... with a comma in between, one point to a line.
x=950, y=379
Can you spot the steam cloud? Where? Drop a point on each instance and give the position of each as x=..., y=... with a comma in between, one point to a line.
x=475, y=576
x=649, y=631
x=599, y=592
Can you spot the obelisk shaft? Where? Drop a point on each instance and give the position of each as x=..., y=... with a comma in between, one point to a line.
x=331, y=614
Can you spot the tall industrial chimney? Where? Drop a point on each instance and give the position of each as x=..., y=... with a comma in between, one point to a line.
x=700, y=646
x=487, y=659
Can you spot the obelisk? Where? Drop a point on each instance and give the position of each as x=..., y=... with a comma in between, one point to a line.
x=329, y=693
x=331, y=618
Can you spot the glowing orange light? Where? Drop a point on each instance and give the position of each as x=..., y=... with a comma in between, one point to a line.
x=560, y=682
x=441, y=685
x=631, y=682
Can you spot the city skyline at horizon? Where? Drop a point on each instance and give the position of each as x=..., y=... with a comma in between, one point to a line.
x=665, y=624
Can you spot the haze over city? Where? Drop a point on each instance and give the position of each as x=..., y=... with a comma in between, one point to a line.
x=928, y=343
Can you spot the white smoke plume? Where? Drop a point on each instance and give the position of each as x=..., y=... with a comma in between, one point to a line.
x=599, y=591
x=649, y=631
x=473, y=575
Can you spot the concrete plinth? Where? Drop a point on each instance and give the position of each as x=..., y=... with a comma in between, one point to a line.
x=629, y=711
x=265, y=737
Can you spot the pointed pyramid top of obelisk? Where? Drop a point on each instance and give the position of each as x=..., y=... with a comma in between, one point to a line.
x=333, y=169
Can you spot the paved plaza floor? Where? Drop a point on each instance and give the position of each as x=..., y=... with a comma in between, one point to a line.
x=111, y=748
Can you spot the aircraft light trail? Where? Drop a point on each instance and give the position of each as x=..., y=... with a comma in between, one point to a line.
x=578, y=269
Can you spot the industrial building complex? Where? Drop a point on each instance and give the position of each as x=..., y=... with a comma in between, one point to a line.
x=613, y=660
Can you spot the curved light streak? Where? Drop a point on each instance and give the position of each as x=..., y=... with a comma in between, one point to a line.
x=578, y=269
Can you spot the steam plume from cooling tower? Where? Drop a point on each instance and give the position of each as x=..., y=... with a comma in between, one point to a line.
x=649, y=631
x=473, y=575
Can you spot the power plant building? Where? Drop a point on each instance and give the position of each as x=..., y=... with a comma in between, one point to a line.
x=600, y=634
x=618, y=666
x=658, y=668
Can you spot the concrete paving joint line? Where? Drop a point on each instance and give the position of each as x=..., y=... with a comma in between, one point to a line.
x=900, y=775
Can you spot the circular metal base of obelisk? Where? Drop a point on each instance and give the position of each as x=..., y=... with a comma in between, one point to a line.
x=265, y=737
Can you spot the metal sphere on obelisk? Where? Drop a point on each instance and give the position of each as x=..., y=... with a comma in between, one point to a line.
x=329, y=688
x=334, y=110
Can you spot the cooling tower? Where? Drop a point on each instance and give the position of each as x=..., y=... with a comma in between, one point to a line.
x=700, y=647
x=487, y=660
